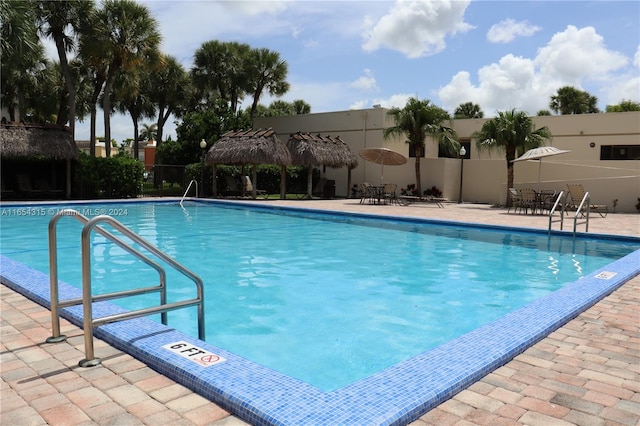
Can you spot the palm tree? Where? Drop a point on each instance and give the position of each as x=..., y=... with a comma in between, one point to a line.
x=266, y=71
x=130, y=37
x=512, y=131
x=468, y=110
x=54, y=19
x=219, y=72
x=149, y=132
x=569, y=100
x=22, y=56
x=132, y=96
x=624, y=105
x=301, y=107
x=170, y=91
x=419, y=120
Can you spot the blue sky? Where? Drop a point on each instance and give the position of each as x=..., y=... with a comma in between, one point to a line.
x=354, y=54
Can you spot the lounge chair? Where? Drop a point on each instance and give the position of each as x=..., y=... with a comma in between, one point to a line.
x=233, y=187
x=248, y=188
x=409, y=199
x=577, y=194
x=318, y=191
x=25, y=188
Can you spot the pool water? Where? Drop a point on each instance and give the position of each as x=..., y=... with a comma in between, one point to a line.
x=328, y=299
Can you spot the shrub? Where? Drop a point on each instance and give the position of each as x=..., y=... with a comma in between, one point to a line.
x=114, y=177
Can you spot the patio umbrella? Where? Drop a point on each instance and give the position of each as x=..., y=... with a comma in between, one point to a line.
x=384, y=157
x=537, y=154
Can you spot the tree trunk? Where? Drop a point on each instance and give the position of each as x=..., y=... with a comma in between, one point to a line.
x=135, y=138
x=106, y=106
x=163, y=116
x=71, y=88
x=283, y=182
x=92, y=131
x=418, y=152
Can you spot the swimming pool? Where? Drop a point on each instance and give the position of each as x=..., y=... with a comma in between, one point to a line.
x=405, y=386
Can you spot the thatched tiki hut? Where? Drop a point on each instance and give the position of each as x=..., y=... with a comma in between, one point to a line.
x=24, y=148
x=316, y=150
x=250, y=147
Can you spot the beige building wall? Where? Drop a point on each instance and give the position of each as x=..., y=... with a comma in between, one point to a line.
x=485, y=173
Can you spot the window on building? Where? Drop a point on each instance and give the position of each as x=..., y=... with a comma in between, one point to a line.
x=620, y=152
x=466, y=143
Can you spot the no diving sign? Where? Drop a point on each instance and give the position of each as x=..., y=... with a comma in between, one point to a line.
x=198, y=355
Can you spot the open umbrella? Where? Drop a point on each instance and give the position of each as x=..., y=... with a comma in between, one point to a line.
x=384, y=157
x=539, y=153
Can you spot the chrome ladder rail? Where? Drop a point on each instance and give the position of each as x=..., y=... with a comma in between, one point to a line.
x=553, y=210
x=188, y=188
x=87, y=298
x=587, y=199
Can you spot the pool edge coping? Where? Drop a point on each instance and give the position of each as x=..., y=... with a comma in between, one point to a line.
x=391, y=384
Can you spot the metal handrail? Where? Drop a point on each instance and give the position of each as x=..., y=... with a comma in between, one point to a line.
x=188, y=188
x=586, y=198
x=87, y=298
x=89, y=322
x=56, y=304
x=553, y=210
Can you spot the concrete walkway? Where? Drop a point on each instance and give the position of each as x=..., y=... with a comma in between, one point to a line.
x=586, y=373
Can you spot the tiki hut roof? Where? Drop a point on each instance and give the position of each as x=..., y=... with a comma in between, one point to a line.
x=29, y=140
x=249, y=147
x=317, y=150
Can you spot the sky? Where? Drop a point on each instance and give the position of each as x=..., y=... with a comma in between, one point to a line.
x=345, y=55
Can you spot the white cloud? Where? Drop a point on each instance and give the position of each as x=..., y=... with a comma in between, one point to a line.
x=636, y=58
x=416, y=28
x=367, y=82
x=573, y=55
x=507, y=30
x=571, y=58
x=398, y=100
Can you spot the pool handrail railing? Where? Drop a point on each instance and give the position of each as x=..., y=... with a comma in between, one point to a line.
x=87, y=298
x=188, y=188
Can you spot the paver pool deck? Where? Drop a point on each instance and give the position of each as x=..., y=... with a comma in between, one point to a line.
x=585, y=373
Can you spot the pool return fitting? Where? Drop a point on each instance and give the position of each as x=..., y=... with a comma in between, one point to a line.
x=87, y=298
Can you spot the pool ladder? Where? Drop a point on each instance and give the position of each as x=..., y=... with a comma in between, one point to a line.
x=188, y=188
x=560, y=200
x=87, y=298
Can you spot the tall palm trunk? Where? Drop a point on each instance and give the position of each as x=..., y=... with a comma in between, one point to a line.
x=106, y=106
x=71, y=88
x=418, y=151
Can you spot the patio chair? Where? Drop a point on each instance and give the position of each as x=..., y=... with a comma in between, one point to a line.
x=576, y=195
x=365, y=192
x=389, y=193
x=248, y=188
x=546, y=199
x=528, y=200
x=515, y=199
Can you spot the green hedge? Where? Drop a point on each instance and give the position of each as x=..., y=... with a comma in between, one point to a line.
x=114, y=177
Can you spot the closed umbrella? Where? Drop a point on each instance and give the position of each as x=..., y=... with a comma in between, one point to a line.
x=539, y=153
x=384, y=157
